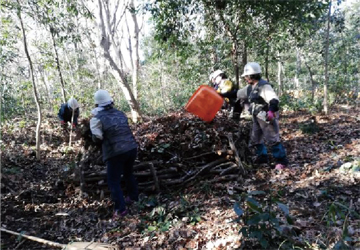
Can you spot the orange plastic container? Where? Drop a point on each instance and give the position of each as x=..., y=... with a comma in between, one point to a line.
x=205, y=103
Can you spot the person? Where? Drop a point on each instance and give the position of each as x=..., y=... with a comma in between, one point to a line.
x=110, y=127
x=226, y=88
x=264, y=107
x=66, y=112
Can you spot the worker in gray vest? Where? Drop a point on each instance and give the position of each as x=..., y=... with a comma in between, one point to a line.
x=119, y=148
x=264, y=107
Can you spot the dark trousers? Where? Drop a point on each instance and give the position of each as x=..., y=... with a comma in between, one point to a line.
x=122, y=165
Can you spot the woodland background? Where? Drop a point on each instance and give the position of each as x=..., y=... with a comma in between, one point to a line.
x=151, y=56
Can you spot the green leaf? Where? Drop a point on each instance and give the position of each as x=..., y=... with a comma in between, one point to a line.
x=256, y=192
x=244, y=231
x=289, y=220
x=151, y=228
x=253, y=220
x=256, y=234
x=253, y=204
x=284, y=208
x=264, y=243
x=238, y=209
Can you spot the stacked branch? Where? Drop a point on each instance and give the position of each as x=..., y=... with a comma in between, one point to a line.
x=176, y=151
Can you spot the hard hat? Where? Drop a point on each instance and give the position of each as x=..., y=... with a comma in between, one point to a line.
x=102, y=96
x=251, y=68
x=215, y=74
x=72, y=103
x=211, y=76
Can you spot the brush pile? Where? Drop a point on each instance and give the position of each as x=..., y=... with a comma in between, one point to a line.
x=175, y=151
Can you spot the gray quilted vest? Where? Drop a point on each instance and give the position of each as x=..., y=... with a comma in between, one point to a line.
x=118, y=137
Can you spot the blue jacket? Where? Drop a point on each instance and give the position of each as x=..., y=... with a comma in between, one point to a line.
x=65, y=113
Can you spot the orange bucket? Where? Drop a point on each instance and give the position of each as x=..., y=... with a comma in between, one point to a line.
x=204, y=103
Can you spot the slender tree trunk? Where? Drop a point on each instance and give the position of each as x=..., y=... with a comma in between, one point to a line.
x=38, y=126
x=244, y=56
x=48, y=96
x=58, y=66
x=298, y=69
x=327, y=61
x=313, y=87
x=267, y=62
x=135, y=74
x=235, y=52
x=279, y=75
x=162, y=84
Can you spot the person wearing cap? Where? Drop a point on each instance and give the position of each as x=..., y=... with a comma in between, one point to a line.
x=68, y=110
x=110, y=127
x=226, y=88
x=264, y=107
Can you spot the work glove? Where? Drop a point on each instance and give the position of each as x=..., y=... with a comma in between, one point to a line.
x=62, y=122
x=270, y=115
x=226, y=99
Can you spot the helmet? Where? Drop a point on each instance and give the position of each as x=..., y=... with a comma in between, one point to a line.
x=102, y=96
x=215, y=74
x=72, y=103
x=251, y=68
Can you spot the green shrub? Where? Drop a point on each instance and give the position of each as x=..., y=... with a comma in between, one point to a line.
x=264, y=222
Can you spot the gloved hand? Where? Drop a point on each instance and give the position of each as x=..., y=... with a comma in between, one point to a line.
x=62, y=122
x=226, y=99
x=270, y=115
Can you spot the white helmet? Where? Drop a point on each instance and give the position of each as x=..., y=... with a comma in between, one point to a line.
x=215, y=74
x=102, y=97
x=72, y=103
x=251, y=68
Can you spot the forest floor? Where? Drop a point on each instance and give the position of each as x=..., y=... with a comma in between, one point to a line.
x=313, y=204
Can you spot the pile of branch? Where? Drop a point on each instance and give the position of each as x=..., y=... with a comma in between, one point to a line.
x=175, y=151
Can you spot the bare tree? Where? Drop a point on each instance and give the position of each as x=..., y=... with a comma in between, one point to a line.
x=33, y=84
x=113, y=52
x=135, y=51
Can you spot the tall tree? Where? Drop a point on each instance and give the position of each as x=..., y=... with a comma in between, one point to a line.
x=109, y=20
x=36, y=97
x=252, y=26
x=326, y=61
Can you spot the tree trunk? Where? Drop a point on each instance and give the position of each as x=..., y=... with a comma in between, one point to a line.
x=135, y=74
x=327, y=61
x=236, y=62
x=298, y=69
x=279, y=75
x=313, y=85
x=244, y=57
x=267, y=61
x=107, y=40
x=48, y=96
x=58, y=65
x=38, y=125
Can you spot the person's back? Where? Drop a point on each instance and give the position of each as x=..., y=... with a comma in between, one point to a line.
x=117, y=136
x=119, y=148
